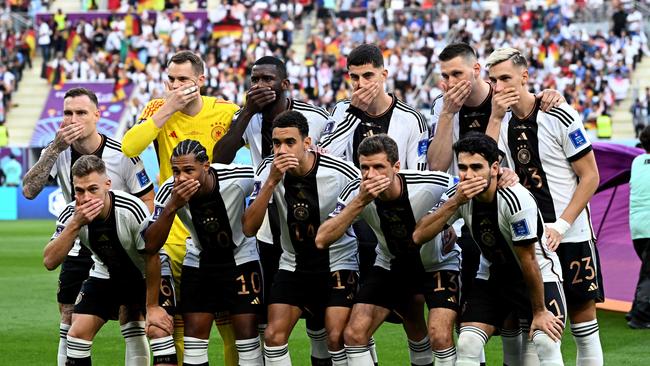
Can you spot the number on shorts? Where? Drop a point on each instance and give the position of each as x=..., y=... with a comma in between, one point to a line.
x=165, y=287
x=339, y=285
x=554, y=304
x=588, y=267
x=255, y=284
x=440, y=287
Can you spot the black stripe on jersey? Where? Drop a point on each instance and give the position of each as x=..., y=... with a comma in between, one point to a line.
x=235, y=176
x=66, y=213
x=418, y=116
x=437, y=179
x=114, y=145
x=132, y=205
x=563, y=112
x=339, y=165
x=351, y=187
x=302, y=106
x=579, y=154
x=553, y=112
x=336, y=106
x=164, y=192
x=452, y=191
x=435, y=100
x=266, y=161
x=345, y=125
x=511, y=199
x=422, y=166
x=244, y=171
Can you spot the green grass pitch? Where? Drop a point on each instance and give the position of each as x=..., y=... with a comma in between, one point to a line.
x=29, y=317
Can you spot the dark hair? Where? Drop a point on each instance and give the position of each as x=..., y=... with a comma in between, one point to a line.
x=292, y=119
x=182, y=57
x=366, y=54
x=459, y=49
x=478, y=143
x=279, y=65
x=86, y=165
x=187, y=147
x=644, y=137
x=78, y=92
x=378, y=144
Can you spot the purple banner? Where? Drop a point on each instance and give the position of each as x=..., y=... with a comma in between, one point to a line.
x=52, y=115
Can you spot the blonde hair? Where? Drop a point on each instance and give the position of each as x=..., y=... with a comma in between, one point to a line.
x=504, y=54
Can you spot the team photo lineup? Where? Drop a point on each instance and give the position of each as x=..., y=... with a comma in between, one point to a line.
x=463, y=220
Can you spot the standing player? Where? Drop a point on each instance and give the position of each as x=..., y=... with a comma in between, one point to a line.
x=512, y=277
x=221, y=270
x=76, y=137
x=391, y=201
x=183, y=113
x=304, y=185
x=266, y=99
x=467, y=105
x=553, y=158
x=108, y=223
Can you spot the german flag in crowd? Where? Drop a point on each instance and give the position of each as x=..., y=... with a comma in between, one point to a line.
x=228, y=27
x=30, y=41
x=71, y=46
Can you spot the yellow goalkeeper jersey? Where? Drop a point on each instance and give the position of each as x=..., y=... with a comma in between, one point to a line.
x=207, y=127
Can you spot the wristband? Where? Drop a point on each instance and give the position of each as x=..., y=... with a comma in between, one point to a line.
x=561, y=226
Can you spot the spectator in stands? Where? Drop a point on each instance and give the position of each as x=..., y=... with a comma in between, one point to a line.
x=639, y=316
x=13, y=171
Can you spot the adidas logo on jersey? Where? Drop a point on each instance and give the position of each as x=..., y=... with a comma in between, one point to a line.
x=593, y=287
x=256, y=301
x=173, y=134
x=452, y=299
x=475, y=124
x=522, y=137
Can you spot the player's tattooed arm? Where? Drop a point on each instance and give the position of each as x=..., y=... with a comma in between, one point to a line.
x=39, y=174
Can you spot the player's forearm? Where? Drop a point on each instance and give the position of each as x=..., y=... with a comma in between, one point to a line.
x=38, y=175
x=532, y=276
x=152, y=272
x=148, y=200
x=432, y=224
x=225, y=149
x=158, y=231
x=440, y=154
x=57, y=250
x=254, y=214
x=334, y=228
x=139, y=137
x=587, y=185
x=493, y=128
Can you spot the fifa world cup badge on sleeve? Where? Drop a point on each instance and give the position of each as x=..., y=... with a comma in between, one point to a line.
x=422, y=147
x=143, y=178
x=520, y=228
x=577, y=138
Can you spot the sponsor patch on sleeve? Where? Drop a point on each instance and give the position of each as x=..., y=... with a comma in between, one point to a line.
x=520, y=228
x=577, y=138
x=143, y=178
x=329, y=128
x=422, y=147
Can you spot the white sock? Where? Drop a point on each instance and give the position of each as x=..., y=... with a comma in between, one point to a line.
x=318, y=339
x=277, y=356
x=373, y=350
x=445, y=357
x=420, y=352
x=587, y=338
x=339, y=357
x=528, y=351
x=61, y=355
x=249, y=351
x=195, y=351
x=511, y=340
x=137, y=346
x=358, y=356
x=470, y=346
x=164, y=351
x=548, y=351
x=78, y=348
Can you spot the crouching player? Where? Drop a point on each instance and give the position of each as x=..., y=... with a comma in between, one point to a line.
x=108, y=222
x=517, y=272
x=221, y=270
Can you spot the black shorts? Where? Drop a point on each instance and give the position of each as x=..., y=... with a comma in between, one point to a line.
x=390, y=288
x=313, y=292
x=167, y=294
x=270, y=262
x=213, y=289
x=581, y=271
x=470, y=262
x=492, y=301
x=103, y=297
x=74, y=271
